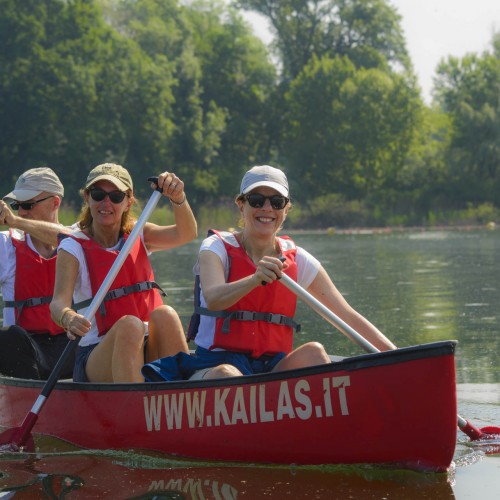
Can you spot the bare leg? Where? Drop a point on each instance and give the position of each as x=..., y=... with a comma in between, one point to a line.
x=120, y=355
x=222, y=371
x=166, y=335
x=310, y=354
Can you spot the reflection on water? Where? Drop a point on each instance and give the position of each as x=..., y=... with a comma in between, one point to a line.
x=118, y=475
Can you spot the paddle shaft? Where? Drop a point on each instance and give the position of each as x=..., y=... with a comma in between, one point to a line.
x=473, y=432
x=330, y=316
x=31, y=418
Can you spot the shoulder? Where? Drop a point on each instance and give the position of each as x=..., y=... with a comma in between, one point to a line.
x=286, y=243
x=6, y=247
x=8, y=236
x=304, y=256
x=216, y=242
x=70, y=242
x=5, y=238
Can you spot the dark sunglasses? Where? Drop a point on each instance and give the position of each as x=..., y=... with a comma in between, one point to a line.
x=114, y=196
x=257, y=200
x=27, y=205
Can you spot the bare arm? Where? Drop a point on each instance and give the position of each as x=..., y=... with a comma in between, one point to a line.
x=220, y=295
x=43, y=231
x=60, y=308
x=323, y=289
x=185, y=228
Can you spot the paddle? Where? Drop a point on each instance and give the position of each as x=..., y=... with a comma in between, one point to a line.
x=20, y=438
x=473, y=432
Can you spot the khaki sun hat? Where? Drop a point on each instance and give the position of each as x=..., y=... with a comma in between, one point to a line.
x=111, y=172
x=35, y=181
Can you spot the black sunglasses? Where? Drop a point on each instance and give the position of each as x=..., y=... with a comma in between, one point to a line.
x=257, y=200
x=27, y=205
x=114, y=196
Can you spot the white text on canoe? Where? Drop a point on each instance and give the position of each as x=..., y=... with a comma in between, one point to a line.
x=246, y=404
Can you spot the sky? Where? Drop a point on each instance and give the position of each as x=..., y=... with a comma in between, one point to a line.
x=434, y=29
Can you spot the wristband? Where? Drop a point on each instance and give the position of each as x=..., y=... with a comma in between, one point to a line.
x=178, y=204
x=63, y=313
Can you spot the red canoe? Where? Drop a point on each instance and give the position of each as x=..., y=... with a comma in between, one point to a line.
x=396, y=408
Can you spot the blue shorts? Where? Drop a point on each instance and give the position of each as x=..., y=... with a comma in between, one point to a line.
x=182, y=366
x=82, y=356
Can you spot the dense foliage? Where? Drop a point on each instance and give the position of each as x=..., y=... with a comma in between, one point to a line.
x=187, y=86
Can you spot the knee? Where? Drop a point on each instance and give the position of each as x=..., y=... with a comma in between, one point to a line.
x=223, y=371
x=130, y=327
x=164, y=314
x=315, y=352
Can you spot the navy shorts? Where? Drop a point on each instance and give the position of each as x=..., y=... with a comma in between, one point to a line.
x=182, y=366
x=82, y=356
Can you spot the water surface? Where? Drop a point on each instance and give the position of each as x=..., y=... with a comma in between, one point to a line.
x=417, y=287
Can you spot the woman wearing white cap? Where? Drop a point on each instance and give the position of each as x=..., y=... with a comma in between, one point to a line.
x=241, y=326
x=113, y=347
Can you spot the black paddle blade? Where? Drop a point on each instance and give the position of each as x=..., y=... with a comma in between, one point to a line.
x=10, y=441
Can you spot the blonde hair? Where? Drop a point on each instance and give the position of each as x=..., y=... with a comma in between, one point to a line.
x=128, y=218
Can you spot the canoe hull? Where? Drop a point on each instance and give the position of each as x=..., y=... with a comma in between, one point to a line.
x=396, y=408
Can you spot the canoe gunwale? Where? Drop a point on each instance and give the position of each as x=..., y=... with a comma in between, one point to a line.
x=358, y=362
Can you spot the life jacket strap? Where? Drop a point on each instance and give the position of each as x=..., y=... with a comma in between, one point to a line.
x=277, y=319
x=32, y=302
x=116, y=293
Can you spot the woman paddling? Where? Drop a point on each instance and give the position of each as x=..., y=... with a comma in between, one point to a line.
x=114, y=345
x=245, y=315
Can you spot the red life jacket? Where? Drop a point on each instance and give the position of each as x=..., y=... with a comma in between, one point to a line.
x=133, y=292
x=33, y=289
x=261, y=321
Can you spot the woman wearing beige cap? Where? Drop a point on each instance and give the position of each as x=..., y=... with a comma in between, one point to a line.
x=113, y=347
x=244, y=322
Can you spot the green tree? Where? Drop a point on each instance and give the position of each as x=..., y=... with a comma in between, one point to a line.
x=367, y=31
x=238, y=77
x=75, y=90
x=468, y=89
x=349, y=129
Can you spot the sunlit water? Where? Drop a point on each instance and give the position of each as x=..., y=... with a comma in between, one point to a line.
x=417, y=287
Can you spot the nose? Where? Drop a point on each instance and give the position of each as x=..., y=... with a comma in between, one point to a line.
x=267, y=204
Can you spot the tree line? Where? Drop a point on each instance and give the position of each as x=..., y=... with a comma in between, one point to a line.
x=187, y=86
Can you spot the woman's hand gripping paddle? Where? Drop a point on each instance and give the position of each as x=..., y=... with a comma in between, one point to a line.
x=473, y=432
x=20, y=438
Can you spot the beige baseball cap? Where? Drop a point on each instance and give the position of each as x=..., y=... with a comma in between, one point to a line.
x=111, y=172
x=35, y=181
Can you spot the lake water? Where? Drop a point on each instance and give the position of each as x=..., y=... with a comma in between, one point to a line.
x=417, y=287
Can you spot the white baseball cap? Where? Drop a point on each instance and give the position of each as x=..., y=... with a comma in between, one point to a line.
x=265, y=175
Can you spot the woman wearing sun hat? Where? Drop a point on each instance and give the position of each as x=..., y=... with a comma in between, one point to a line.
x=243, y=322
x=113, y=347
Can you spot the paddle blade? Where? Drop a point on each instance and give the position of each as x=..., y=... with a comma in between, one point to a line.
x=490, y=432
x=14, y=440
